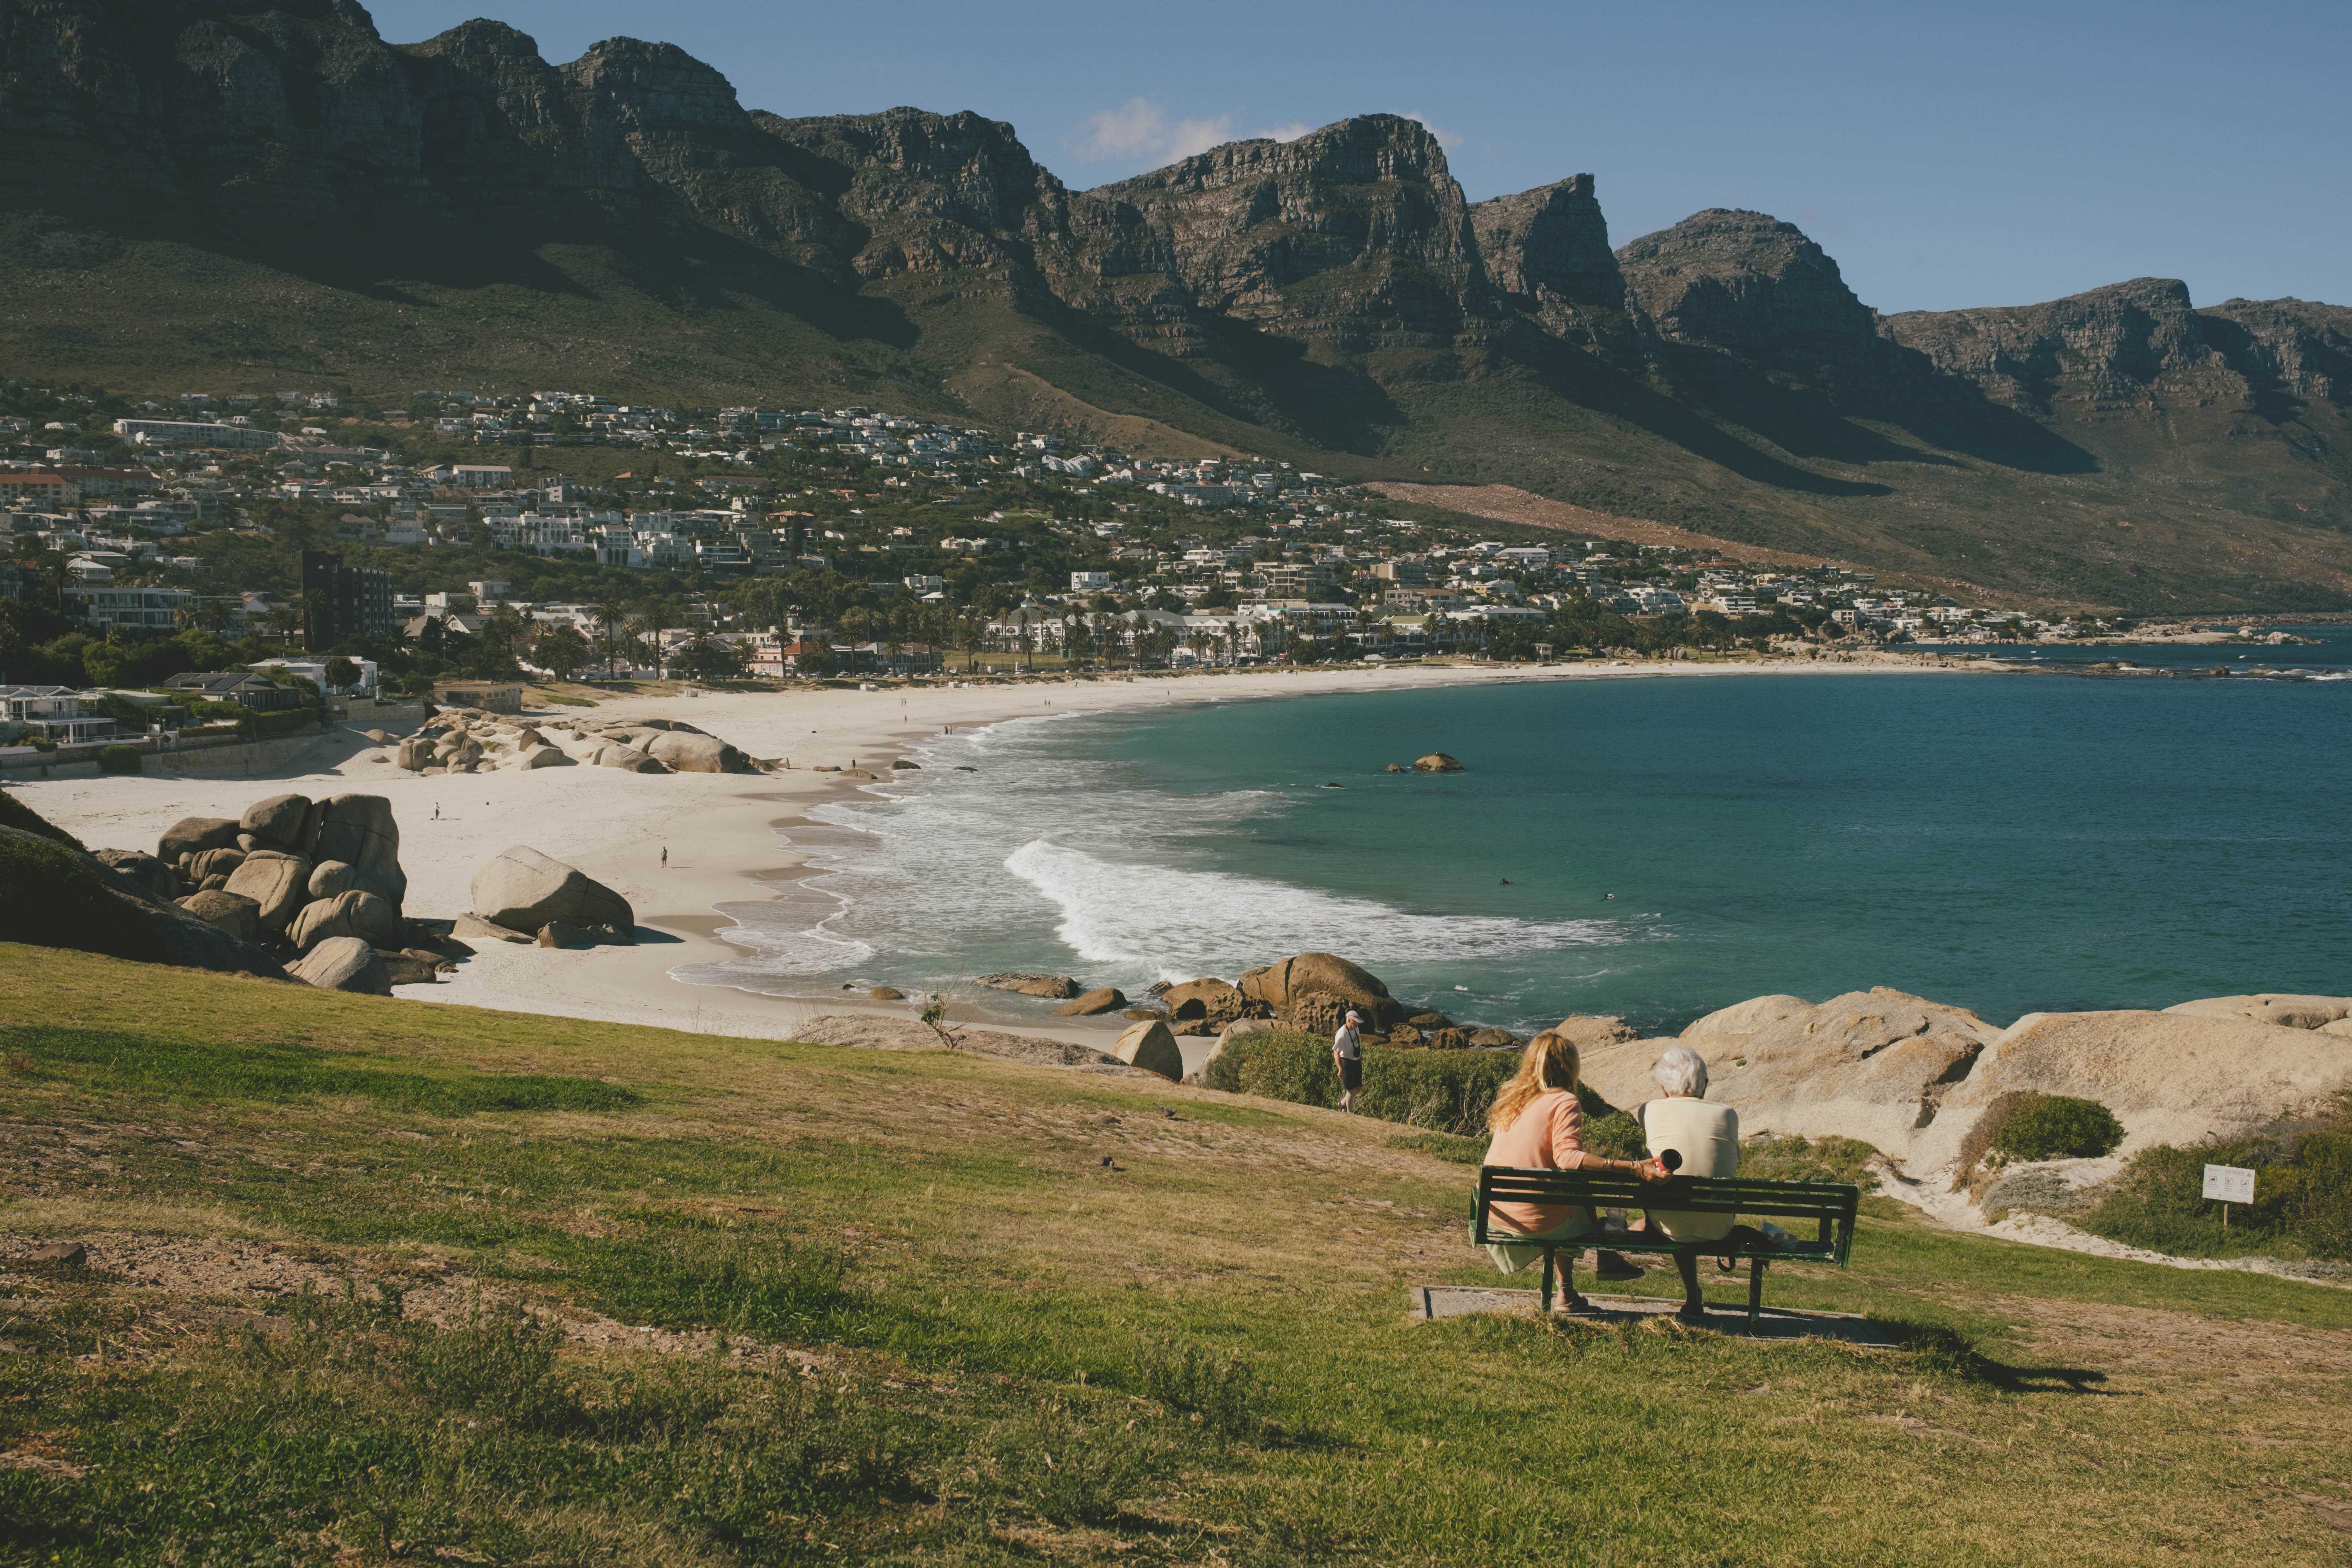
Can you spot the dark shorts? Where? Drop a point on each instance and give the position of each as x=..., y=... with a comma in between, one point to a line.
x=1351, y=1072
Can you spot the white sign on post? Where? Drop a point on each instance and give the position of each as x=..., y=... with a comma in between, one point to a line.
x=2228, y=1184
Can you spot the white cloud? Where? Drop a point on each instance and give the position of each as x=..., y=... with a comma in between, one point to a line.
x=1141, y=129
x=1446, y=139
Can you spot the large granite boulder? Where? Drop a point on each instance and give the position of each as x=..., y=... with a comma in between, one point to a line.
x=2269, y=1007
x=524, y=890
x=206, y=864
x=142, y=870
x=691, y=753
x=2169, y=1077
x=535, y=757
x=474, y=926
x=1314, y=991
x=1053, y=987
x=1746, y=1018
x=239, y=917
x=329, y=878
x=1587, y=1032
x=277, y=882
x=194, y=835
x=344, y=964
x=1152, y=1047
x=1210, y=1003
x=416, y=753
x=629, y=759
x=277, y=822
x=356, y=913
x=359, y=830
x=1106, y=999
x=53, y=893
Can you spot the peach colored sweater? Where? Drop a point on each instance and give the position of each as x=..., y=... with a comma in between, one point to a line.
x=1547, y=1134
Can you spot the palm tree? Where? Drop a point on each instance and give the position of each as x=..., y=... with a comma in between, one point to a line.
x=609, y=616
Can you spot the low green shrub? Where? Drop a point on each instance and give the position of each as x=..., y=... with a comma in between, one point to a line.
x=1767, y=1158
x=1217, y=1389
x=122, y=759
x=1446, y=1090
x=2058, y=1127
x=2302, y=1207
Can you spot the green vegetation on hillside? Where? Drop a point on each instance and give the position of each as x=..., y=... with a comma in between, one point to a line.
x=781, y=1303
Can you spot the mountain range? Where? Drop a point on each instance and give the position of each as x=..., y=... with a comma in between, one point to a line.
x=228, y=194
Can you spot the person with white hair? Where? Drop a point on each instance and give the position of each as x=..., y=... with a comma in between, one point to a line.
x=1705, y=1139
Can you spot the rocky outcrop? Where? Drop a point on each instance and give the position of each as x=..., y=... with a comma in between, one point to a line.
x=276, y=880
x=356, y=913
x=1104, y=999
x=344, y=964
x=524, y=890
x=1547, y=254
x=2170, y=1077
x=1210, y=1002
x=1152, y=1047
x=195, y=835
x=239, y=917
x=1053, y=987
x=1588, y=1033
x=55, y=894
x=2288, y=1011
x=145, y=872
x=1438, y=762
x=1314, y=991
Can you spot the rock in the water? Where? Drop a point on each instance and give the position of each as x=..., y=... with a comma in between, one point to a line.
x=1210, y=1001
x=329, y=878
x=239, y=917
x=278, y=821
x=1106, y=999
x=523, y=889
x=1437, y=762
x=209, y=863
x=142, y=870
x=2290, y=1011
x=359, y=830
x=476, y=927
x=344, y=964
x=885, y=993
x=1314, y=991
x=1054, y=987
x=688, y=754
x=1152, y=1047
x=277, y=882
x=1396, y=768
x=356, y=913
x=194, y=835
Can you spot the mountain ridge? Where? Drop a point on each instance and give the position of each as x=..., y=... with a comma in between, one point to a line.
x=287, y=193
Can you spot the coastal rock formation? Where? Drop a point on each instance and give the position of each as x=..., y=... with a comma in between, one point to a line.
x=344, y=964
x=1314, y=991
x=1153, y=1048
x=53, y=893
x=2169, y=1077
x=2291, y=1011
x=1437, y=762
x=1053, y=987
x=355, y=912
x=143, y=871
x=277, y=882
x=1589, y=1033
x=278, y=822
x=1210, y=1003
x=1748, y=1017
x=195, y=835
x=239, y=917
x=524, y=890
x=1105, y=999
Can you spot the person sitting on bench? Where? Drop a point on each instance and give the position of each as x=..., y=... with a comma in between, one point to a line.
x=1705, y=1137
x=1537, y=1124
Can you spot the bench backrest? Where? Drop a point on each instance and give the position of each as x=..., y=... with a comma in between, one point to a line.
x=1828, y=1207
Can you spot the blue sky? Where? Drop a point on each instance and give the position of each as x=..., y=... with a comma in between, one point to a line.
x=1946, y=156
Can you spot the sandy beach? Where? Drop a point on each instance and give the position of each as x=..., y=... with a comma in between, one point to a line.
x=720, y=830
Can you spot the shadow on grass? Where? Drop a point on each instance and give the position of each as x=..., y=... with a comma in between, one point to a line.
x=1950, y=1353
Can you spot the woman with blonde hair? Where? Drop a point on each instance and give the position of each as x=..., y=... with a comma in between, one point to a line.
x=1537, y=1124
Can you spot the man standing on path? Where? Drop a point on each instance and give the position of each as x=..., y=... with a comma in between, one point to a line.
x=1348, y=1055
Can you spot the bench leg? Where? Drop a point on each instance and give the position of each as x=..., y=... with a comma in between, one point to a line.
x=1546, y=1280
x=1755, y=1290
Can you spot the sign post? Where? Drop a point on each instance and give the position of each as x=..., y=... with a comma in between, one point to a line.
x=2228, y=1184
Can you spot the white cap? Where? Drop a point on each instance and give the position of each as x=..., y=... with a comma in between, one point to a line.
x=1354, y=1017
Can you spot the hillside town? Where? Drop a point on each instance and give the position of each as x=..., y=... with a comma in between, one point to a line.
x=348, y=546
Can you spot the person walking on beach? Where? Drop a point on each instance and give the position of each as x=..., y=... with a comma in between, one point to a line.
x=664, y=857
x=1348, y=1055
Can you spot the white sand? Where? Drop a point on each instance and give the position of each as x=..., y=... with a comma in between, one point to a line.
x=720, y=829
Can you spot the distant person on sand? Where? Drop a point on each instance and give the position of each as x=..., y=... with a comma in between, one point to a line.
x=1348, y=1056
x=664, y=857
x=1705, y=1137
x=1537, y=1124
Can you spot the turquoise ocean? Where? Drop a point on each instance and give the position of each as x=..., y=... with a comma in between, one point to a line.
x=1655, y=847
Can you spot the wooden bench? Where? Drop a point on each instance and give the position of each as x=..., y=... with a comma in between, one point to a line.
x=1827, y=1207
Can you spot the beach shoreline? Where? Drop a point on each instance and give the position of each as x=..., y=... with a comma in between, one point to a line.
x=682, y=846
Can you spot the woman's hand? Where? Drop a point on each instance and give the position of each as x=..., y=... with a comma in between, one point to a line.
x=1651, y=1169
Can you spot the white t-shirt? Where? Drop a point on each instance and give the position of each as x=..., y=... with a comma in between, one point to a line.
x=1345, y=1044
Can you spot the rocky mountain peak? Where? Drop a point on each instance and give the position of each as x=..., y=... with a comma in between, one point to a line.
x=1748, y=282
x=1547, y=252
x=654, y=87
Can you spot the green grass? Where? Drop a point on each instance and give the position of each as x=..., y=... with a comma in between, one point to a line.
x=1000, y=1349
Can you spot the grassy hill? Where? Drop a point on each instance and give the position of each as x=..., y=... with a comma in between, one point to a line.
x=372, y=1279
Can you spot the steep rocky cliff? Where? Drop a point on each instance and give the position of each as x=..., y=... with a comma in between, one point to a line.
x=214, y=190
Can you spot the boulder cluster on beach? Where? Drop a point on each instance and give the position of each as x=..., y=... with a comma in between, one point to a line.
x=469, y=741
